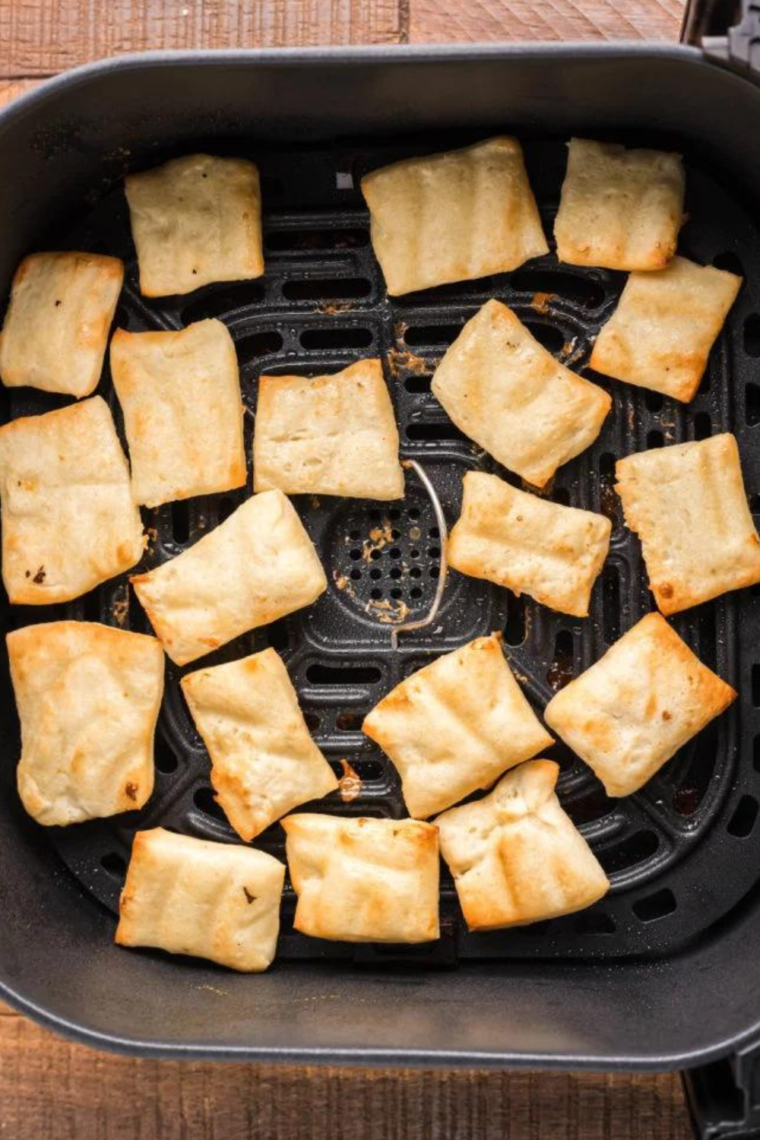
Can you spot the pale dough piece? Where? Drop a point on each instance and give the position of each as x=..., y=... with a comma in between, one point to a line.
x=642, y=701
x=69, y=522
x=688, y=506
x=56, y=329
x=620, y=208
x=530, y=545
x=515, y=855
x=183, y=413
x=664, y=326
x=453, y=216
x=263, y=759
x=218, y=901
x=196, y=220
x=88, y=697
x=364, y=880
x=255, y=567
x=508, y=394
x=456, y=726
x=333, y=435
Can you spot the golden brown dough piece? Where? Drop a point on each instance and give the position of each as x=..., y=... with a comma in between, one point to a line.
x=509, y=395
x=69, y=522
x=364, y=880
x=456, y=726
x=183, y=413
x=88, y=698
x=516, y=856
x=195, y=221
x=631, y=711
x=453, y=216
x=688, y=506
x=665, y=325
x=620, y=208
x=213, y=900
x=331, y=435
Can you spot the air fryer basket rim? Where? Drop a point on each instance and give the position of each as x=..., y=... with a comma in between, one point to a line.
x=650, y=1059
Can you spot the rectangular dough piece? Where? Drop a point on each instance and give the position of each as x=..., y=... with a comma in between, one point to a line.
x=195, y=221
x=642, y=701
x=69, y=522
x=688, y=506
x=219, y=901
x=508, y=394
x=456, y=726
x=183, y=413
x=331, y=435
x=515, y=855
x=56, y=330
x=364, y=880
x=255, y=567
x=663, y=329
x=619, y=208
x=453, y=216
x=88, y=698
x=530, y=545
x=264, y=762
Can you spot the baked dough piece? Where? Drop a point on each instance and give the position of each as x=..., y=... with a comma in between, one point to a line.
x=456, y=726
x=183, y=414
x=453, y=216
x=509, y=395
x=213, y=900
x=196, y=220
x=621, y=209
x=264, y=761
x=531, y=546
x=56, y=329
x=333, y=435
x=364, y=880
x=664, y=327
x=516, y=857
x=688, y=506
x=255, y=567
x=69, y=522
x=631, y=711
x=88, y=697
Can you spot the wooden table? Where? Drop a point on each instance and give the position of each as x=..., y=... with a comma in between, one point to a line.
x=50, y=1089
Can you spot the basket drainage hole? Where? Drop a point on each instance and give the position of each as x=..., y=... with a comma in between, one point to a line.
x=415, y=593
x=342, y=674
x=312, y=721
x=114, y=864
x=396, y=593
x=744, y=817
x=165, y=760
x=395, y=572
x=752, y=335
x=434, y=552
x=702, y=425
x=375, y=574
x=658, y=905
x=655, y=438
x=203, y=799
x=435, y=571
x=356, y=573
x=756, y=686
x=336, y=338
x=395, y=553
x=752, y=404
x=376, y=594
x=654, y=401
x=756, y=753
x=515, y=628
x=415, y=572
x=355, y=554
x=561, y=669
x=349, y=721
x=180, y=521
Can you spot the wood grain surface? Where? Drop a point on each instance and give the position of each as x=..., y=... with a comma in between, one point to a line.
x=51, y=1089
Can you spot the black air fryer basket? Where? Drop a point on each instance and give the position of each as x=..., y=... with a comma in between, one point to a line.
x=663, y=973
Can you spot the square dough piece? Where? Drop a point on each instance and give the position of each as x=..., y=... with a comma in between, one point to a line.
x=69, y=522
x=631, y=711
x=255, y=567
x=364, y=880
x=264, y=761
x=620, y=208
x=508, y=394
x=88, y=697
x=456, y=726
x=183, y=413
x=195, y=221
x=219, y=901
x=664, y=327
x=333, y=435
x=453, y=216
x=56, y=330
x=516, y=856
x=531, y=546
x=688, y=506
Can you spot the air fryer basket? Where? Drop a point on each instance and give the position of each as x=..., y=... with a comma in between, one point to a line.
x=661, y=973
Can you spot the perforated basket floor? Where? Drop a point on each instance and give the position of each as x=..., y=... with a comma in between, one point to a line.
x=682, y=852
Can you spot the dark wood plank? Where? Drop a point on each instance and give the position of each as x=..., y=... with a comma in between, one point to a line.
x=480, y=20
